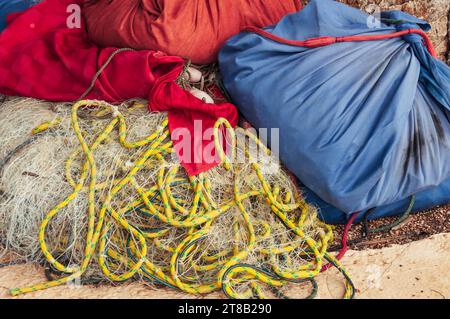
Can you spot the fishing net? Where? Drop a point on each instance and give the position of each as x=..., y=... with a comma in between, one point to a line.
x=95, y=191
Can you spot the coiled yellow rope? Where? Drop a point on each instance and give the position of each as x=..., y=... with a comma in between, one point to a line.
x=226, y=268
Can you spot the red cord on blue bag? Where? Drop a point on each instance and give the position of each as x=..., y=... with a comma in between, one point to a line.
x=324, y=41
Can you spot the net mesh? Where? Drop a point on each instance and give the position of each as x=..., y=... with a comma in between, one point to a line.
x=241, y=227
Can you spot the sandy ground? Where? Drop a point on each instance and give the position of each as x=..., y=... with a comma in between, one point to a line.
x=416, y=270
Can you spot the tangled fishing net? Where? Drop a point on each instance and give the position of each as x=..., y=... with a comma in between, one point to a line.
x=97, y=193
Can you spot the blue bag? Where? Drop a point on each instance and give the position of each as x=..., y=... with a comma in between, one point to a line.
x=12, y=6
x=362, y=124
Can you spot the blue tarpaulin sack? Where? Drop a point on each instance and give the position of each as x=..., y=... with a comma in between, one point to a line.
x=12, y=6
x=363, y=108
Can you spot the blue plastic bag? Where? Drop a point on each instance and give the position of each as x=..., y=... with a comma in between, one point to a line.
x=362, y=124
x=13, y=6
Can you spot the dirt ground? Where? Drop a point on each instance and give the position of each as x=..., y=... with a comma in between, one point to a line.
x=418, y=269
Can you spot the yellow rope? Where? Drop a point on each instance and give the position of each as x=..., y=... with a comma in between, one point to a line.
x=195, y=219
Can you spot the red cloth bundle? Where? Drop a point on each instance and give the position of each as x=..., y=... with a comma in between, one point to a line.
x=192, y=29
x=42, y=57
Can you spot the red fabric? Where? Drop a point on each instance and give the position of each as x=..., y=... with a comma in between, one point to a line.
x=184, y=110
x=41, y=57
x=193, y=29
x=324, y=41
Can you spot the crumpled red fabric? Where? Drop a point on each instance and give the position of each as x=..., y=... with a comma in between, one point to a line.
x=41, y=57
x=192, y=29
x=184, y=110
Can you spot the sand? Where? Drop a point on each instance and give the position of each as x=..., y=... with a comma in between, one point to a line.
x=416, y=270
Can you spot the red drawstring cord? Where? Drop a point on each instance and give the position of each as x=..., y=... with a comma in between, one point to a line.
x=324, y=41
x=344, y=241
